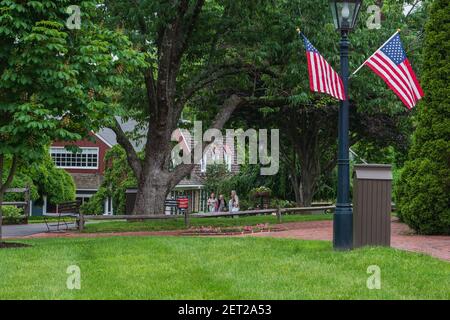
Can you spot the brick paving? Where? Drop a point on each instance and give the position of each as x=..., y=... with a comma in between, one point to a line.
x=401, y=237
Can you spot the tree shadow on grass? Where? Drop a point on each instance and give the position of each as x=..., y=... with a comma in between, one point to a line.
x=8, y=245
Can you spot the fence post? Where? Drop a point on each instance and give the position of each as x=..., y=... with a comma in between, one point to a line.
x=278, y=214
x=81, y=222
x=27, y=198
x=186, y=218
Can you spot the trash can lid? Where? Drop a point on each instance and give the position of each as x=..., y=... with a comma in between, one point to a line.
x=373, y=172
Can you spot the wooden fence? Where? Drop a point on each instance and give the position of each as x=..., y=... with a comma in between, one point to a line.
x=278, y=211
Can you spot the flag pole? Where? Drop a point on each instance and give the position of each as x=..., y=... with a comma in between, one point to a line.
x=362, y=65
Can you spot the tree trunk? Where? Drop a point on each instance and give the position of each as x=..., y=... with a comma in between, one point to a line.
x=296, y=188
x=150, y=198
x=307, y=187
x=155, y=181
x=5, y=185
x=155, y=178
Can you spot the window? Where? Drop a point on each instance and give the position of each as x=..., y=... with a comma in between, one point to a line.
x=87, y=159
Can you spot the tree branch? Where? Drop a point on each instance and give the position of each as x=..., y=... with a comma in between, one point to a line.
x=221, y=118
x=12, y=171
x=262, y=102
x=132, y=157
x=189, y=25
x=212, y=75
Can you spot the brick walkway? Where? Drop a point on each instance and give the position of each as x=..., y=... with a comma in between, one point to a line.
x=401, y=237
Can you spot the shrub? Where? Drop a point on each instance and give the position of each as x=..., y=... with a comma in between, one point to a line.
x=44, y=178
x=245, y=205
x=423, y=190
x=12, y=214
x=422, y=198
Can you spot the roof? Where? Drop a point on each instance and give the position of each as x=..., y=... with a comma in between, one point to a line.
x=182, y=135
x=109, y=137
x=193, y=181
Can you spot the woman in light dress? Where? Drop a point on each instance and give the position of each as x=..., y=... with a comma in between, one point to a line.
x=234, y=202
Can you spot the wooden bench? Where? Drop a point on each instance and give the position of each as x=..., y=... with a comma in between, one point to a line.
x=64, y=211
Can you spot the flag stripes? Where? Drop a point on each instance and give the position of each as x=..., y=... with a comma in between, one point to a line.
x=322, y=78
x=391, y=64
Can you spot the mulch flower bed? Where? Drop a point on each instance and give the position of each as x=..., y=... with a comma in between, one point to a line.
x=7, y=245
x=227, y=231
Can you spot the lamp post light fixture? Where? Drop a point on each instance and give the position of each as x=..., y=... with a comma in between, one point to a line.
x=345, y=14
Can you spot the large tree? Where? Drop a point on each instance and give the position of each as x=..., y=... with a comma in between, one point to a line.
x=55, y=83
x=191, y=46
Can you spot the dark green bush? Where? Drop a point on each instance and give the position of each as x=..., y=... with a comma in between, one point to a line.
x=423, y=198
x=423, y=189
x=43, y=178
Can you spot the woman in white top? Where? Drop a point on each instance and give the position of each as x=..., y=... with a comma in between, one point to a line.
x=234, y=201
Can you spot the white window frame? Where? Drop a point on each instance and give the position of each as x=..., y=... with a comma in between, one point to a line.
x=64, y=150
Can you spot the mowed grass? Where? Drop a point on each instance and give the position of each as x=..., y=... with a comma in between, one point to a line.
x=178, y=224
x=215, y=268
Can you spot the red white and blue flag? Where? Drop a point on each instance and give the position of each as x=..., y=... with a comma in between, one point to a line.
x=322, y=78
x=391, y=64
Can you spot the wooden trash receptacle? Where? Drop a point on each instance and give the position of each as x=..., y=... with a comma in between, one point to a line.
x=372, y=189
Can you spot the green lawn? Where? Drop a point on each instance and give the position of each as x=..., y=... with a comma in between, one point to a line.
x=40, y=219
x=215, y=268
x=172, y=224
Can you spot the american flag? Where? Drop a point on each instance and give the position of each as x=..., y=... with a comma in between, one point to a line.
x=392, y=65
x=322, y=78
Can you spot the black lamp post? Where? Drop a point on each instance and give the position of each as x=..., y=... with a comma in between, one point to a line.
x=345, y=14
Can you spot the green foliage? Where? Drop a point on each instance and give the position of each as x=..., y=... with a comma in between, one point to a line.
x=12, y=212
x=117, y=178
x=56, y=83
x=243, y=182
x=55, y=183
x=43, y=178
x=422, y=197
x=22, y=180
x=423, y=190
x=216, y=174
x=282, y=203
